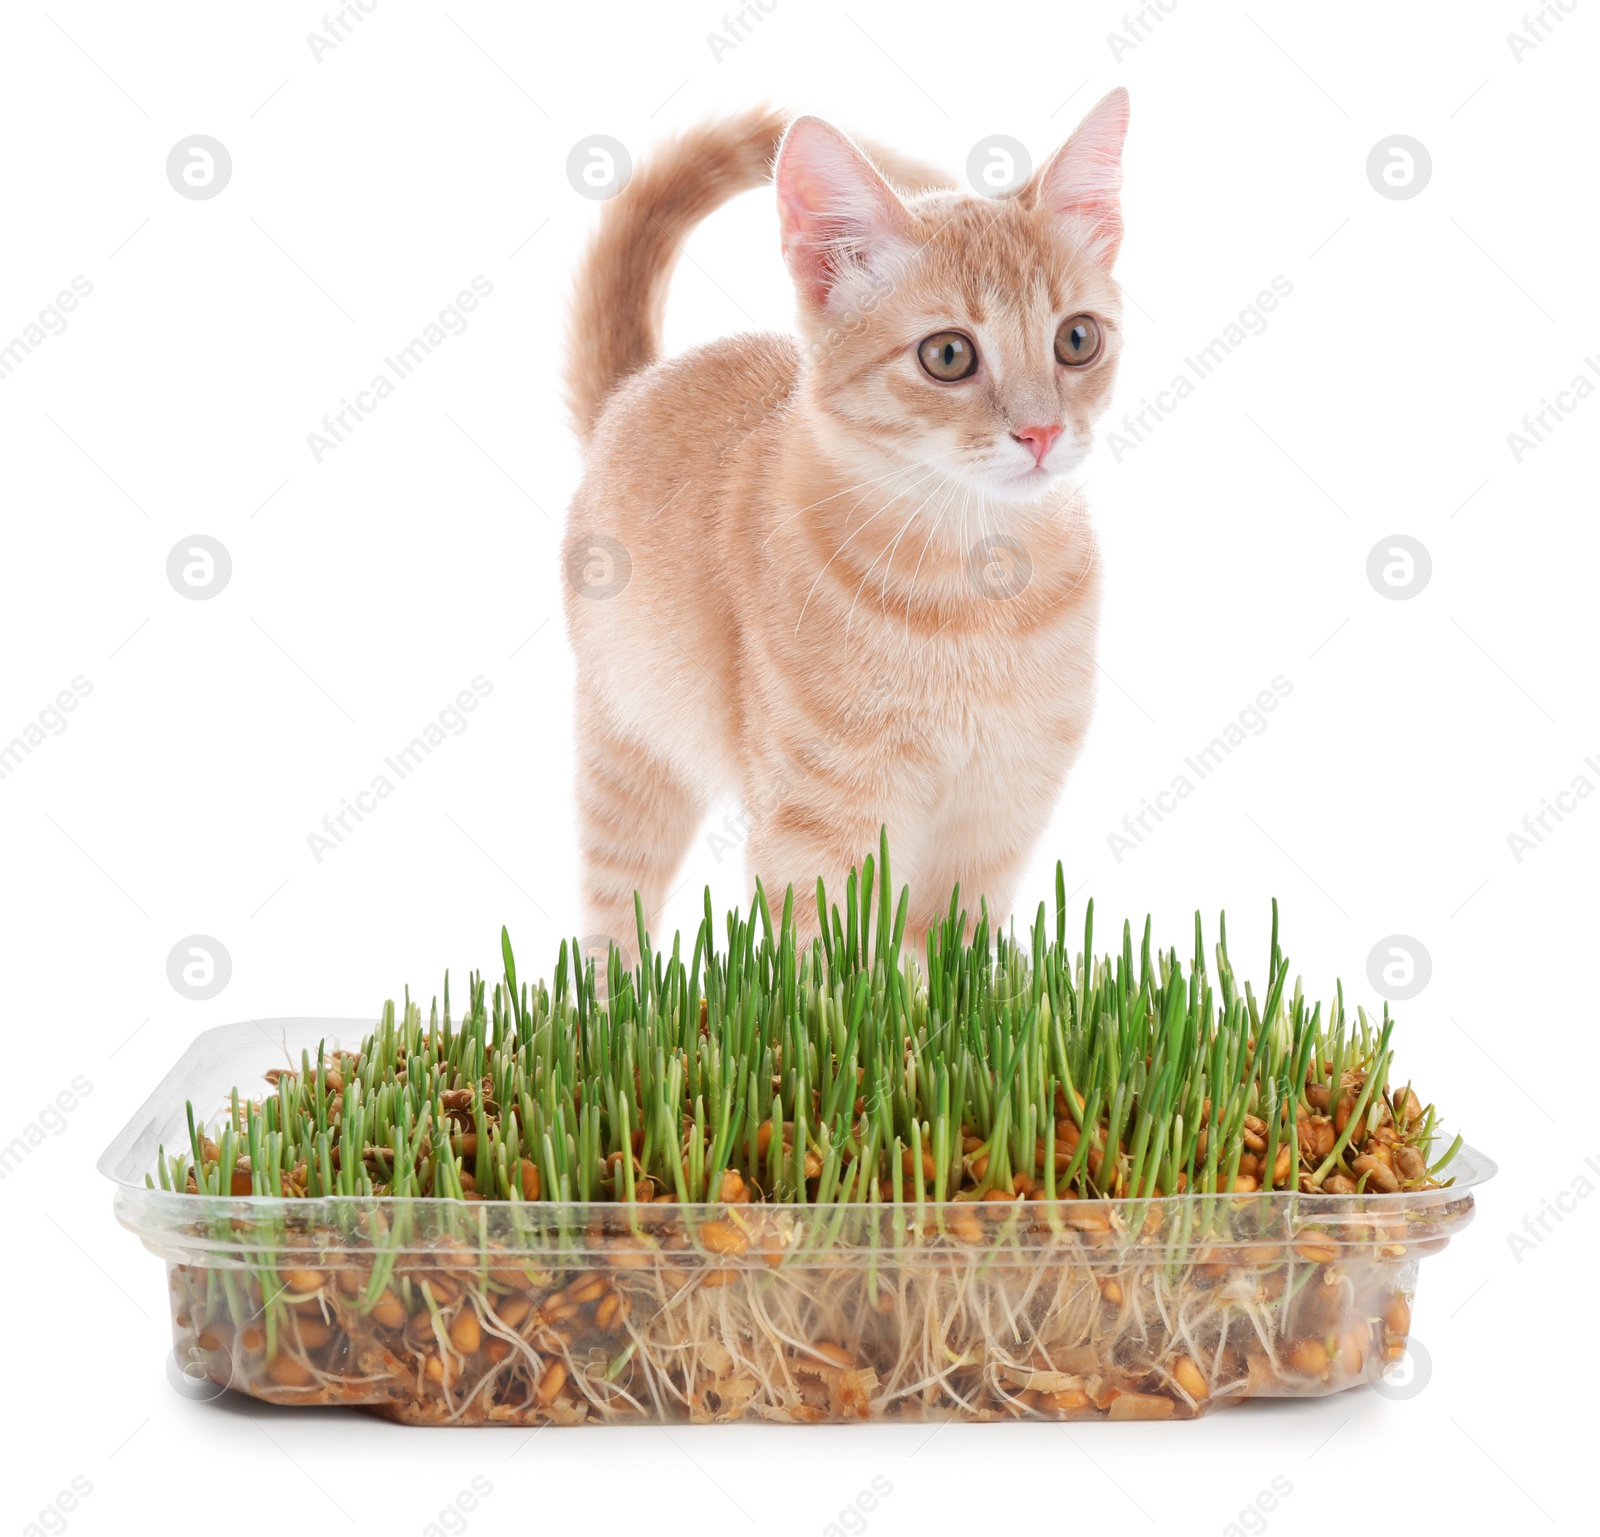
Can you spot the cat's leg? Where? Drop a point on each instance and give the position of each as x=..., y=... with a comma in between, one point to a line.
x=636, y=817
x=984, y=864
x=816, y=813
x=796, y=845
x=983, y=836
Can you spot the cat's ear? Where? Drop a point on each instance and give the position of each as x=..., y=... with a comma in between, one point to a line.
x=1082, y=182
x=840, y=218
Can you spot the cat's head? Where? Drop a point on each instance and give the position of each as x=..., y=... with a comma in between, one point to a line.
x=967, y=336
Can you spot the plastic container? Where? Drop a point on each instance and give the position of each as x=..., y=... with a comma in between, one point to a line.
x=472, y=1312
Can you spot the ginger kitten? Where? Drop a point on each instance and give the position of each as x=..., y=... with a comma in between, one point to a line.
x=843, y=577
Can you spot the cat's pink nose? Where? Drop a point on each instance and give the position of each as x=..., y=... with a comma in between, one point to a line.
x=1038, y=439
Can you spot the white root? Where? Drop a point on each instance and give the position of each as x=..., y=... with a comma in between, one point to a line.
x=965, y=1333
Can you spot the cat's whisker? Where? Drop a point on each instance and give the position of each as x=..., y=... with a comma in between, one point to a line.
x=874, y=481
x=910, y=518
x=926, y=544
x=838, y=552
x=888, y=569
x=983, y=518
x=898, y=496
x=849, y=618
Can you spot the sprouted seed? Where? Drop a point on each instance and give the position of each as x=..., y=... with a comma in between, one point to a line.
x=821, y=1182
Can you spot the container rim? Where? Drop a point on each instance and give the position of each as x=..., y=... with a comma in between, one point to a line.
x=124, y=1159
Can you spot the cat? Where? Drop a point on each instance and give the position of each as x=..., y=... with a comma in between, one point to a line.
x=844, y=577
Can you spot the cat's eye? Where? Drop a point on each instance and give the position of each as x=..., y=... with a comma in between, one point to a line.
x=947, y=356
x=1079, y=340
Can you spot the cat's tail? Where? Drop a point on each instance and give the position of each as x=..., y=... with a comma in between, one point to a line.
x=622, y=285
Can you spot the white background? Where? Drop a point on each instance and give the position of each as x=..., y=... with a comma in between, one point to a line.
x=429, y=147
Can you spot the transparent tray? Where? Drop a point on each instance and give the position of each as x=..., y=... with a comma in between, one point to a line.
x=472, y=1312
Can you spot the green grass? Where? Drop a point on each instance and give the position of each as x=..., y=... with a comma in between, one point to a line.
x=841, y=1071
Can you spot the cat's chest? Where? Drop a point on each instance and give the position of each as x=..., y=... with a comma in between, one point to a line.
x=950, y=692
